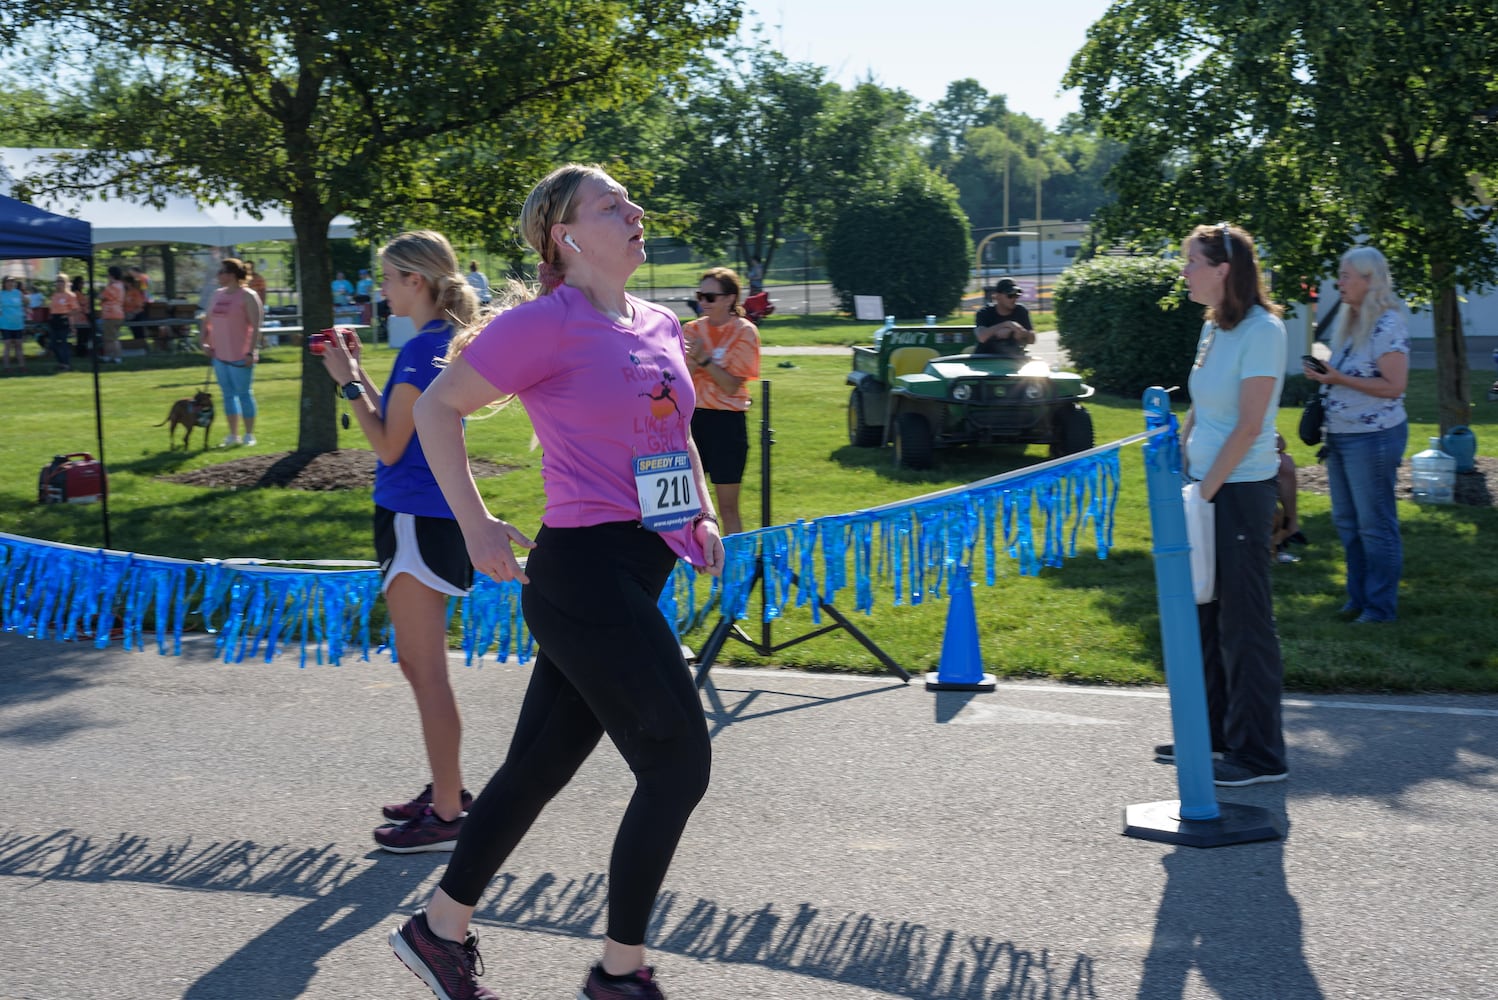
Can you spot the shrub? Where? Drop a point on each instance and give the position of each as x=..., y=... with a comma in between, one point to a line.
x=1112, y=324
x=908, y=242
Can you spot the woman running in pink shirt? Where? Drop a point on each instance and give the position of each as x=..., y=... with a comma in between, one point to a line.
x=604, y=378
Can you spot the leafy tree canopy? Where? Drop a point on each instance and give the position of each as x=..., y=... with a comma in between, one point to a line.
x=444, y=112
x=1315, y=126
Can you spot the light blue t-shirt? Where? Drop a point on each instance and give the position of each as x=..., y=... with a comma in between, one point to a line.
x=1351, y=411
x=1224, y=358
x=12, y=309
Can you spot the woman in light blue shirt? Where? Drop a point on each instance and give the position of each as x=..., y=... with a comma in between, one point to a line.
x=1366, y=431
x=13, y=323
x=1229, y=433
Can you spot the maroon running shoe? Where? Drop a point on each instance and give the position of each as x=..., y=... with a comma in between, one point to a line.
x=450, y=969
x=427, y=832
x=399, y=812
x=639, y=986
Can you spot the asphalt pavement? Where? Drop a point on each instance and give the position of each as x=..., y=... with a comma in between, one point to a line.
x=177, y=827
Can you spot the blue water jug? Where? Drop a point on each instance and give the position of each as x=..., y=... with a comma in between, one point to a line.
x=1461, y=444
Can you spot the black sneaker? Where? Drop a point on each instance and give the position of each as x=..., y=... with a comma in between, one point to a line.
x=1230, y=775
x=1165, y=753
x=638, y=985
x=449, y=969
x=399, y=812
x=427, y=832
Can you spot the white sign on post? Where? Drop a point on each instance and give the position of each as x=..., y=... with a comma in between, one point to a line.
x=868, y=307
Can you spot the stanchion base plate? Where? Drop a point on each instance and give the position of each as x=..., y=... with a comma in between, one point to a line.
x=935, y=683
x=1235, y=824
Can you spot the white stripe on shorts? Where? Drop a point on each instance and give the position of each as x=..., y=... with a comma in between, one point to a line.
x=408, y=560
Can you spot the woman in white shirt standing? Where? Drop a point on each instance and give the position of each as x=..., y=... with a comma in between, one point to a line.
x=1235, y=384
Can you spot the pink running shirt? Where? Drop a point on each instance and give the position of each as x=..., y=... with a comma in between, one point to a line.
x=599, y=393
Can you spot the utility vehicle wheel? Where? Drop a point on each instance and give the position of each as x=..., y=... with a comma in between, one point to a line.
x=1072, y=426
x=913, y=444
x=861, y=433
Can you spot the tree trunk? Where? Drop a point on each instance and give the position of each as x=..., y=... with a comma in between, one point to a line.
x=318, y=430
x=1453, y=400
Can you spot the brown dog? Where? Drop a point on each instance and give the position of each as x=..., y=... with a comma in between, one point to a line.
x=189, y=413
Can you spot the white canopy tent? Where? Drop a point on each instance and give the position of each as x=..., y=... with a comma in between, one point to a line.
x=122, y=222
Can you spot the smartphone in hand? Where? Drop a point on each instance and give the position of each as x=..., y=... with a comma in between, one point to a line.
x=1314, y=363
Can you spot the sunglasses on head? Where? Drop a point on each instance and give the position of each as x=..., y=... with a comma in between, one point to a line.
x=712, y=296
x=1227, y=242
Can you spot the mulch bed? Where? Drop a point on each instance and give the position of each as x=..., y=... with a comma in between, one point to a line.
x=352, y=468
x=345, y=469
x=1474, y=489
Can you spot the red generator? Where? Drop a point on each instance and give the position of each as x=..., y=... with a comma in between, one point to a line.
x=75, y=478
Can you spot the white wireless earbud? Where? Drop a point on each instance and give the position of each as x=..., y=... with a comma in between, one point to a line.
x=571, y=243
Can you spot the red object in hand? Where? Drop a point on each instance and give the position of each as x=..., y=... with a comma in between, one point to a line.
x=319, y=342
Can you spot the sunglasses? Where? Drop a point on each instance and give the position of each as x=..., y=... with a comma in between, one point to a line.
x=712, y=296
x=1227, y=242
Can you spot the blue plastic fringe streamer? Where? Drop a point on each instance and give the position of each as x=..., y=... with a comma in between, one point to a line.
x=260, y=609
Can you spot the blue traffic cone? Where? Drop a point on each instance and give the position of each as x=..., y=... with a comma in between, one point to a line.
x=961, y=666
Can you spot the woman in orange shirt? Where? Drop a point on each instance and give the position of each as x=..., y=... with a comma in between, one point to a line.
x=60, y=307
x=723, y=351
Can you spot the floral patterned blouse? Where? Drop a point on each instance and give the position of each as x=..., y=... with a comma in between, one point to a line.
x=1352, y=411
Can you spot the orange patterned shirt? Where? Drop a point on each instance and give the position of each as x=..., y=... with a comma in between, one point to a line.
x=735, y=349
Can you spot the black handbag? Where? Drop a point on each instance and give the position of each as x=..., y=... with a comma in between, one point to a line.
x=1312, y=419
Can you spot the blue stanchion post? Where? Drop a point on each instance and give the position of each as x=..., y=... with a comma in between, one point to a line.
x=1179, y=633
x=1196, y=819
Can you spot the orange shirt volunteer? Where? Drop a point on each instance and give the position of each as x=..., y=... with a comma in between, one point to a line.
x=735, y=349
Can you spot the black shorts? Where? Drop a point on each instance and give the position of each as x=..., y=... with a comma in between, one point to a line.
x=722, y=438
x=429, y=548
x=12, y=334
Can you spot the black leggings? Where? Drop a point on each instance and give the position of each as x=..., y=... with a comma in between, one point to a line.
x=608, y=663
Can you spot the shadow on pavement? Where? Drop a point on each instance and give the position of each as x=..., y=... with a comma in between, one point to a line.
x=347, y=897
x=1230, y=922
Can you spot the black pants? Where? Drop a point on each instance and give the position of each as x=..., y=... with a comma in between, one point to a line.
x=1240, y=647
x=59, y=329
x=608, y=663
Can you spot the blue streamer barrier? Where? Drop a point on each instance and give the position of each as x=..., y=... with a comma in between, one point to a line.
x=322, y=609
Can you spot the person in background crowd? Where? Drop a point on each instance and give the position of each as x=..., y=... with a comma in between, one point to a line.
x=60, y=307
x=756, y=275
x=343, y=292
x=418, y=543
x=13, y=324
x=364, y=295
x=1229, y=434
x=480, y=283
x=83, y=329
x=604, y=379
x=112, y=314
x=1003, y=325
x=723, y=349
x=231, y=334
x=135, y=303
x=1367, y=429
x=256, y=282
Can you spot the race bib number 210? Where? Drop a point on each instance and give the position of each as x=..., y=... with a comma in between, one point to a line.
x=667, y=489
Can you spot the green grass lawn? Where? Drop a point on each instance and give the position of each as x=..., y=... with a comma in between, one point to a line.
x=1092, y=620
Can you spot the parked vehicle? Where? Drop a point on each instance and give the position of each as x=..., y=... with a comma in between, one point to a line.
x=921, y=388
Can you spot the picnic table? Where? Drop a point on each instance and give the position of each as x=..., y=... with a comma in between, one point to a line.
x=179, y=335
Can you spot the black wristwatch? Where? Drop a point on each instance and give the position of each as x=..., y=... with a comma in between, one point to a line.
x=352, y=390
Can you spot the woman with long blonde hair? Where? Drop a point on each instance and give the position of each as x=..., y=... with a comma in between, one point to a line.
x=1366, y=431
x=417, y=541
